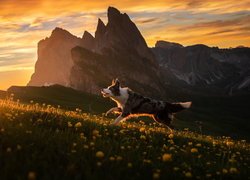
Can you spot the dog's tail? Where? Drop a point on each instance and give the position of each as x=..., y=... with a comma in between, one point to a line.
x=176, y=107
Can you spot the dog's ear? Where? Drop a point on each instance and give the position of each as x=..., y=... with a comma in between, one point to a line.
x=117, y=82
x=113, y=81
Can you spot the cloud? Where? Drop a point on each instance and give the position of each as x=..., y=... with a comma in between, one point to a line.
x=13, y=8
x=212, y=22
x=241, y=21
x=145, y=20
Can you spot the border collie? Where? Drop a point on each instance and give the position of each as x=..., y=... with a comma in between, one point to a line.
x=130, y=103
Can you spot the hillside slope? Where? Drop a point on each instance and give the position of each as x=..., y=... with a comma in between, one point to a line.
x=218, y=115
x=43, y=142
x=66, y=98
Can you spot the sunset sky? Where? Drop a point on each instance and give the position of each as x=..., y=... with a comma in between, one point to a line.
x=23, y=23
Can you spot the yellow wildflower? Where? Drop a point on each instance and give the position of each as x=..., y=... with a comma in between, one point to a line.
x=171, y=148
x=233, y=170
x=82, y=136
x=95, y=132
x=142, y=129
x=99, y=154
x=31, y=175
x=229, y=143
x=208, y=175
x=156, y=175
x=176, y=168
x=142, y=137
x=79, y=124
x=130, y=165
x=8, y=149
x=224, y=171
x=118, y=158
x=194, y=150
x=70, y=124
x=188, y=174
x=111, y=158
x=19, y=147
x=166, y=157
x=170, y=136
x=98, y=163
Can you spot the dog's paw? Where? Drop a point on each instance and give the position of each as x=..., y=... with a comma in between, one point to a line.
x=116, y=112
x=114, y=124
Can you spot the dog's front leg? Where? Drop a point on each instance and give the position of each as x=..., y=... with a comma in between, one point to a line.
x=122, y=117
x=112, y=110
x=117, y=120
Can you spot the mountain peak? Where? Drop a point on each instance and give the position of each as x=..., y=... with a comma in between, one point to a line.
x=88, y=41
x=100, y=23
x=101, y=28
x=114, y=16
x=118, y=39
x=112, y=11
x=87, y=35
x=167, y=45
x=60, y=32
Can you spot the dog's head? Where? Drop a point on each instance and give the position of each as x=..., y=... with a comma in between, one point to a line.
x=113, y=90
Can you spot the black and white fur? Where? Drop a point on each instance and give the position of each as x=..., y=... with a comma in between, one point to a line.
x=131, y=104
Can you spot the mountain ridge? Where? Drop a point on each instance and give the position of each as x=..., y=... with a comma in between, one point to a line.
x=203, y=66
x=120, y=47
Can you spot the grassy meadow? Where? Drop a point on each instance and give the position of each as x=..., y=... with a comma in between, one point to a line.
x=42, y=141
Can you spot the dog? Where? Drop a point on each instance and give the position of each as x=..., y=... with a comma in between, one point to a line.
x=130, y=104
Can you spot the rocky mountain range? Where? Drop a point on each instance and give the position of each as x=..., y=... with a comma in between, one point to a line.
x=90, y=63
x=119, y=50
x=205, y=67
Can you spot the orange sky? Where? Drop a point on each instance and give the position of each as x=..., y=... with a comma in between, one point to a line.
x=23, y=23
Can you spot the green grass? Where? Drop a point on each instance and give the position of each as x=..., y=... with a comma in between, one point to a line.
x=45, y=142
x=67, y=98
x=228, y=116
x=2, y=94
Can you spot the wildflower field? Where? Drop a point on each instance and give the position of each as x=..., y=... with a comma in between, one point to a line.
x=40, y=141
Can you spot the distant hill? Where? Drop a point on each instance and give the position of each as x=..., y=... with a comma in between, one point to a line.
x=67, y=98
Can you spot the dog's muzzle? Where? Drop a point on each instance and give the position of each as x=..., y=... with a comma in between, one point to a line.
x=104, y=93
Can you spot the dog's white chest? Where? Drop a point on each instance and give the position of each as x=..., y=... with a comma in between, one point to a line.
x=122, y=99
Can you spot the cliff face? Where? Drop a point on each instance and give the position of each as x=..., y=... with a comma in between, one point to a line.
x=120, y=35
x=90, y=63
x=54, y=61
x=119, y=50
x=204, y=67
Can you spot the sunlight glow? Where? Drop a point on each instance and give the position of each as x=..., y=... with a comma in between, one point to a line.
x=211, y=22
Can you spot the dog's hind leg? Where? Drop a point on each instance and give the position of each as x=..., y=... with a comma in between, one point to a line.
x=166, y=120
x=118, y=119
